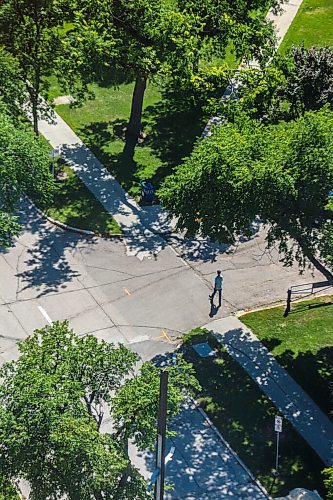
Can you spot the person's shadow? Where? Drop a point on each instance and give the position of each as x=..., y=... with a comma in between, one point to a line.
x=213, y=309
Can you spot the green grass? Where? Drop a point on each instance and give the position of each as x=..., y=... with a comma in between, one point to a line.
x=302, y=343
x=171, y=131
x=76, y=206
x=245, y=417
x=312, y=26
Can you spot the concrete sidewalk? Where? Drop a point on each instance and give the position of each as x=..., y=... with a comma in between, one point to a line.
x=203, y=466
x=276, y=383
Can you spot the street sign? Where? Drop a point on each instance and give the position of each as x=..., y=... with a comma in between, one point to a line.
x=278, y=424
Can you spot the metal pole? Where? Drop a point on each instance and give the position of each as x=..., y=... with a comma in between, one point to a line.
x=161, y=432
x=287, y=310
x=277, y=454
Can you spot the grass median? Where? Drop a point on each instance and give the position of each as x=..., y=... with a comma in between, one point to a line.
x=245, y=418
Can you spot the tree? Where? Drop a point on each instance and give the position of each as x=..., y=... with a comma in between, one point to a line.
x=24, y=168
x=328, y=481
x=309, y=84
x=30, y=31
x=7, y=490
x=11, y=85
x=300, y=81
x=162, y=40
x=53, y=400
x=283, y=173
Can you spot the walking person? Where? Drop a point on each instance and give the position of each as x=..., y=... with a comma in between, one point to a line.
x=218, y=283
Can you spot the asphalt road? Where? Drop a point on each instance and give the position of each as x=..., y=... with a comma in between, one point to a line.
x=91, y=282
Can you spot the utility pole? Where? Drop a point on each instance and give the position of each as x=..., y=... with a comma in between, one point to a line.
x=161, y=433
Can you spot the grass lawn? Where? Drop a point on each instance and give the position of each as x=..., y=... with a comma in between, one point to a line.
x=100, y=123
x=76, y=206
x=245, y=417
x=302, y=343
x=171, y=129
x=312, y=26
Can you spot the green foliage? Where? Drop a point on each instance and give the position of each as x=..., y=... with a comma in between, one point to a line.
x=163, y=41
x=136, y=404
x=282, y=173
x=300, y=81
x=52, y=403
x=31, y=33
x=7, y=490
x=11, y=85
x=24, y=168
x=310, y=81
x=328, y=481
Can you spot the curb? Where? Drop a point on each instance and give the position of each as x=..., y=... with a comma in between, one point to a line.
x=66, y=227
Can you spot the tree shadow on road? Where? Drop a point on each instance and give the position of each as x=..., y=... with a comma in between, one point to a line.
x=45, y=265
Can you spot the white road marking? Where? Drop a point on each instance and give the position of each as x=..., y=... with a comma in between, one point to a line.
x=46, y=316
x=139, y=338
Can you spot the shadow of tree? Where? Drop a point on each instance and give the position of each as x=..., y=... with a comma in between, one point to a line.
x=245, y=417
x=47, y=268
x=171, y=129
x=313, y=372
x=174, y=126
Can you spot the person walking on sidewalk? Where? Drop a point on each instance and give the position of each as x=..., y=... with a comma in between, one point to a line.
x=218, y=283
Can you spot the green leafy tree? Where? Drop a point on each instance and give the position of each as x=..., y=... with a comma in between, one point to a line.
x=328, y=481
x=11, y=85
x=53, y=400
x=165, y=41
x=24, y=168
x=7, y=490
x=309, y=84
x=300, y=81
x=31, y=32
x=283, y=173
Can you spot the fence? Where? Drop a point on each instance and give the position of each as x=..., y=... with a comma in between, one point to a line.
x=305, y=290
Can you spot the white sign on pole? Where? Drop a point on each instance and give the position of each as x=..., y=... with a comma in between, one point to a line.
x=278, y=424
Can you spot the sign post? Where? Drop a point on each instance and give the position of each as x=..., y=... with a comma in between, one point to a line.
x=161, y=432
x=278, y=429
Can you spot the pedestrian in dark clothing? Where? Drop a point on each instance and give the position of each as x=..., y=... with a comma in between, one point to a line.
x=218, y=284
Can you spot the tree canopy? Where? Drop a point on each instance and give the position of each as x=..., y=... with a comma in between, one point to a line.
x=163, y=41
x=53, y=401
x=32, y=33
x=24, y=168
x=299, y=81
x=282, y=173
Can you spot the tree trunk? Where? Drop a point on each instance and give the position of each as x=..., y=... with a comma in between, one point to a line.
x=315, y=262
x=134, y=124
x=34, y=103
x=125, y=475
x=322, y=269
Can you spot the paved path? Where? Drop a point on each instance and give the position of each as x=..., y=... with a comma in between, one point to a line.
x=204, y=466
x=275, y=382
x=140, y=241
